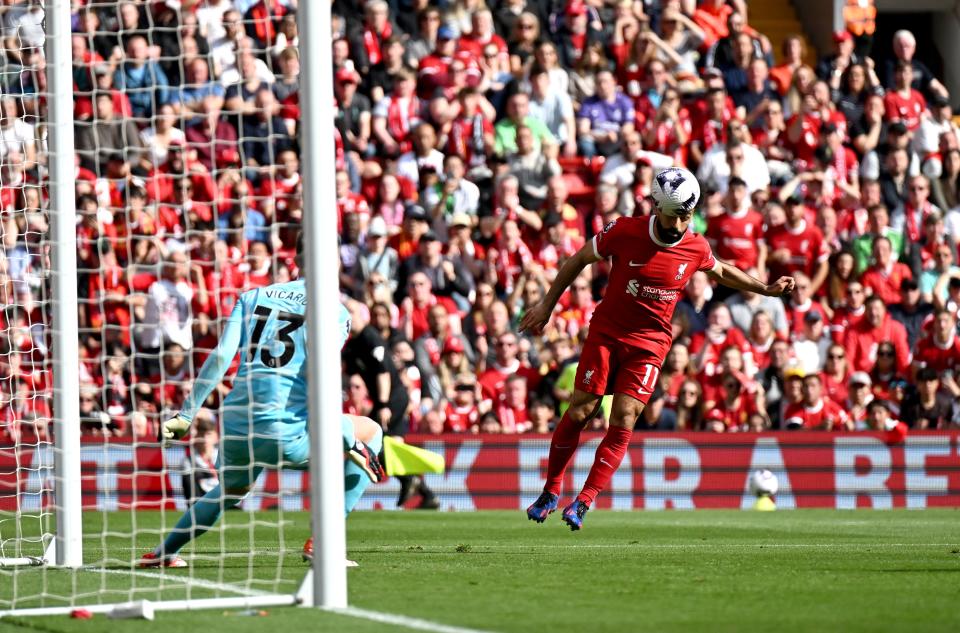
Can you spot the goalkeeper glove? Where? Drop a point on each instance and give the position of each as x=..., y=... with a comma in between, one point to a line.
x=173, y=429
x=363, y=457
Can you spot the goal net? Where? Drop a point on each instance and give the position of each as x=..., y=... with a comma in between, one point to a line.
x=184, y=183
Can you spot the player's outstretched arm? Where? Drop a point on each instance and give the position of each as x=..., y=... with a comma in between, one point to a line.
x=216, y=364
x=537, y=316
x=732, y=277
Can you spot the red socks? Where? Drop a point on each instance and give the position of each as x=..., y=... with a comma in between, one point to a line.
x=566, y=439
x=609, y=455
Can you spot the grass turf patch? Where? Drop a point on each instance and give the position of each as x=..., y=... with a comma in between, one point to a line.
x=639, y=571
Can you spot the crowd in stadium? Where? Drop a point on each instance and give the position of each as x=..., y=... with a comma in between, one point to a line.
x=478, y=145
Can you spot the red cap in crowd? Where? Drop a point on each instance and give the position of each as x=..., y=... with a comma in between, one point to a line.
x=576, y=7
x=453, y=344
x=841, y=36
x=715, y=414
x=346, y=75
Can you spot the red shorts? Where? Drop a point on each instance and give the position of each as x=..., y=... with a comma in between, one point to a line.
x=611, y=366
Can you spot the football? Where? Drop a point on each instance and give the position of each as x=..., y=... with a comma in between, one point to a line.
x=763, y=483
x=676, y=191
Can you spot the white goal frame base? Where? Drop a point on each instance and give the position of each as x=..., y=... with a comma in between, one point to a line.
x=49, y=558
x=144, y=609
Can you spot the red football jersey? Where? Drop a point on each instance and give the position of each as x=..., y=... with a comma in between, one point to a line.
x=806, y=245
x=845, y=318
x=862, y=340
x=940, y=357
x=737, y=236
x=459, y=419
x=906, y=109
x=837, y=389
x=886, y=283
x=826, y=415
x=646, y=280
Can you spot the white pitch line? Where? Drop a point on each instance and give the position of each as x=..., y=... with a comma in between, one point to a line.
x=405, y=621
x=440, y=549
x=184, y=580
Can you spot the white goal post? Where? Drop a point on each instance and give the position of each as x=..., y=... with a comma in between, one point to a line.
x=48, y=564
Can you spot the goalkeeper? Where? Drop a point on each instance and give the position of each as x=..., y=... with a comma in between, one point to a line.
x=265, y=414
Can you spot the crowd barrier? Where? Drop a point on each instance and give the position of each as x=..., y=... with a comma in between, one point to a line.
x=485, y=472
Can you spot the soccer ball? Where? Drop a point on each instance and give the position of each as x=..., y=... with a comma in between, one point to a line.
x=763, y=483
x=676, y=191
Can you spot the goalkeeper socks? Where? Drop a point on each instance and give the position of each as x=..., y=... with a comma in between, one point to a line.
x=566, y=439
x=609, y=455
x=197, y=520
x=355, y=480
x=349, y=435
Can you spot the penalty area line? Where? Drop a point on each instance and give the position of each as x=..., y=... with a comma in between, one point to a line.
x=199, y=583
x=402, y=620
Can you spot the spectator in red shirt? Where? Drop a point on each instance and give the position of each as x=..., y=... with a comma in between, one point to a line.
x=395, y=116
x=903, y=103
x=884, y=278
x=460, y=414
x=910, y=217
x=720, y=335
x=740, y=400
x=761, y=338
x=415, y=307
x=507, y=363
x=816, y=412
x=940, y=349
x=848, y=315
x=737, y=235
x=835, y=374
x=863, y=339
x=798, y=246
x=801, y=304
x=512, y=408
x=349, y=202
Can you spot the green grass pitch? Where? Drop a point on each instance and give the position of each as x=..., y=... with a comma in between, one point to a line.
x=804, y=570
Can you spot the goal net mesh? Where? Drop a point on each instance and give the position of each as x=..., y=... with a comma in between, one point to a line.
x=187, y=191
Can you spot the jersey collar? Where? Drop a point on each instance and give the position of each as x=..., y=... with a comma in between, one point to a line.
x=658, y=241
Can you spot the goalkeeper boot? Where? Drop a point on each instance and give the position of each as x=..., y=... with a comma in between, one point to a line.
x=543, y=507
x=368, y=461
x=308, y=554
x=151, y=559
x=573, y=514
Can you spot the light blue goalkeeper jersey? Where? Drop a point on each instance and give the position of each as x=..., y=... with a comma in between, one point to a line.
x=269, y=395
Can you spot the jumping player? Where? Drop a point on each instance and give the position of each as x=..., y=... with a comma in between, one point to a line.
x=630, y=332
x=265, y=414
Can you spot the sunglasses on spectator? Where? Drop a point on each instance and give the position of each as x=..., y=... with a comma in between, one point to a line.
x=885, y=354
x=464, y=388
